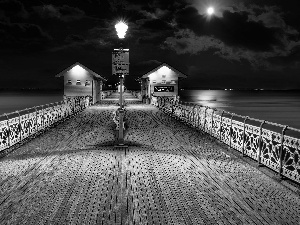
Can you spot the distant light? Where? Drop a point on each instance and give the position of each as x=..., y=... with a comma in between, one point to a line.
x=121, y=29
x=210, y=11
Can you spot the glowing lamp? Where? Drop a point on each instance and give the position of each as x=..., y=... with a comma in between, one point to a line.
x=77, y=70
x=210, y=11
x=121, y=29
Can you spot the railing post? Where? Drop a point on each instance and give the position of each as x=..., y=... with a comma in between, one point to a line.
x=198, y=117
x=221, y=122
x=8, y=129
x=36, y=125
x=189, y=113
x=212, y=121
x=20, y=126
x=230, y=131
x=193, y=123
x=29, y=126
x=244, y=136
x=205, y=117
x=172, y=108
x=43, y=117
x=260, y=142
x=281, y=152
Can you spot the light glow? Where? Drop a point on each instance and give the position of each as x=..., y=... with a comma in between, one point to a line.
x=121, y=29
x=210, y=11
x=78, y=70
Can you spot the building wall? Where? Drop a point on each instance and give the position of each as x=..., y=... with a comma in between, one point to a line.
x=163, y=77
x=78, y=83
x=97, y=90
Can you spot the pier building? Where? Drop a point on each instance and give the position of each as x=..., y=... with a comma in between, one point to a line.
x=81, y=81
x=161, y=81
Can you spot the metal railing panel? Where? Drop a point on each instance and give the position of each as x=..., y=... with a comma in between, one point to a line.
x=275, y=150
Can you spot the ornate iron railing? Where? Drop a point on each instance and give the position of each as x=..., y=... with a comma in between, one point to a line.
x=19, y=125
x=274, y=149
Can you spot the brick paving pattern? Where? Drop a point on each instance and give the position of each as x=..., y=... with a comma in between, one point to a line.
x=169, y=174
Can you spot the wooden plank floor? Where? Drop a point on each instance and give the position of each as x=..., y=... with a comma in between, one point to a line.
x=170, y=174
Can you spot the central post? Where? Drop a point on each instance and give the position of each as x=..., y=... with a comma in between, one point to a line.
x=121, y=114
x=120, y=67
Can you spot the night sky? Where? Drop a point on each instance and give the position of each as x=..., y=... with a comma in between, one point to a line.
x=245, y=44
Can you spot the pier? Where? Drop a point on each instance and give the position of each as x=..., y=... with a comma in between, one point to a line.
x=170, y=173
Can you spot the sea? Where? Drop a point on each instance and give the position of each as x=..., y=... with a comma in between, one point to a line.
x=282, y=107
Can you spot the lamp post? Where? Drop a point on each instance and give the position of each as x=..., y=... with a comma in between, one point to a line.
x=119, y=62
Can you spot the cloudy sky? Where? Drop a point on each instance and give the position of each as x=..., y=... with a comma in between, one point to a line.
x=245, y=44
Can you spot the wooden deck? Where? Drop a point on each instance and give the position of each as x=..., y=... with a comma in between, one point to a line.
x=170, y=174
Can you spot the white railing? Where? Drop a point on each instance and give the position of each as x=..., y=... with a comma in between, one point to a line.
x=19, y=125
x=276, y=150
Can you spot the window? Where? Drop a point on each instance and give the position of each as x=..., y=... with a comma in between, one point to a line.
x=69, y=82
x=173, y=82
x=78, y=82
x=163, y=76
x=163, y=88
x=163, y=82
x=154, y=81
x=87, y=83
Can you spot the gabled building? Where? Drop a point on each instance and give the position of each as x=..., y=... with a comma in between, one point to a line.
x=81, y=81
x=161, y=81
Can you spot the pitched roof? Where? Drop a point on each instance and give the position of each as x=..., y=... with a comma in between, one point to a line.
x=95, y=75
x=180, y=74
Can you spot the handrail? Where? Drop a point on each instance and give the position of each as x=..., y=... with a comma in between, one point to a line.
x=270, y=148
x=14, y=129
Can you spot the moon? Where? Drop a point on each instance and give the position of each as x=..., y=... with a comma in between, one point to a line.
x=210, y=11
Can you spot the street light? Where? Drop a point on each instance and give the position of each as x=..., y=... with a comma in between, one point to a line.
x=121, y=29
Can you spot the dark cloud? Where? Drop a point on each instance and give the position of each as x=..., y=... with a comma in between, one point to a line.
x=65, y=13
x=154, y=24
x=22, y=37
x=22, y=32
x=234, y=29
x=12, y=9
x=151, y=62
x=74, y=38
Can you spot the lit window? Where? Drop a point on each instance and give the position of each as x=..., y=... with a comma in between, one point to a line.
x=78, y=82
x=69, y=82
x=163, y=81
x=87, y=83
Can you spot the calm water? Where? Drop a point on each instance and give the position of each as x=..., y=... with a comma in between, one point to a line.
x=281, y=107
x=12, y=101
x=276, y=106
